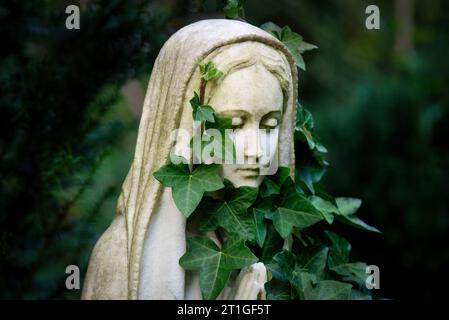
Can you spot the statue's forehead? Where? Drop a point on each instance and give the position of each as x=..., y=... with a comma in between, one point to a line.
x=252, y=89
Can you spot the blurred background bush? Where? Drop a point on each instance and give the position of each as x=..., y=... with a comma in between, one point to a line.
x=70, y=104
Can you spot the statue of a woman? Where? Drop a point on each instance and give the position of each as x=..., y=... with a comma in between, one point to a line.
x=138, y=255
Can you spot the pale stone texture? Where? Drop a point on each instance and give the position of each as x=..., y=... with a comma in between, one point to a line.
x=137, y=257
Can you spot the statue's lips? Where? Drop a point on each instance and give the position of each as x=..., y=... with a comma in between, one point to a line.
x=249, y=171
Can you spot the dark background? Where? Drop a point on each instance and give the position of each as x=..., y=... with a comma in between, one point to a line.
x=70, y=104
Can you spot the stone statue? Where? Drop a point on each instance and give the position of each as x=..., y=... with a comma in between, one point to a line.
x=138, y=255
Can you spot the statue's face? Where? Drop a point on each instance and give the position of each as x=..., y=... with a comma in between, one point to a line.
x=253, y=98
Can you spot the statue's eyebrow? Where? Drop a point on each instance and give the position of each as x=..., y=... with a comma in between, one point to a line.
x=272, y=114
x=234, y=113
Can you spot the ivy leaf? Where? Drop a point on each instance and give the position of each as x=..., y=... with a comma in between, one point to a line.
x=304, y=132
x=232, y=8
x=261, y=227
x=267, y=207
x=356, y=222
x=172, y=174
x=346, y=209
x=304, y=118
x=348, y=206
x=309, y=279
x=200, y=112
x=215, y=265
x=320, y=192
x=299, y=59
x=310, y=289
x=272, y=28
x=291, y=40
x=340, y=250
x=328, y=290
x=318, y=261
x=272, y=245
x=304, y=135
x=294, y=210
x=282, y=175
x=278, y=290
x=195, y=101
x=227, y=145
x=303, y=281
x=272, y=184
x=352, y=272
x=276, y=272
x=320, y=148
x=310, y=174
x=209, y=71
x=311, y=259
x=339, y=261
x=304, y=126
x=268, y=187
x=286, y=262
x=188, y=187
x=326, y=208
x=214, y=146
x=204, y=113
x=304, y=249
x=232, y=214
x=208, y=221
x=305, y=46
x=187, y=193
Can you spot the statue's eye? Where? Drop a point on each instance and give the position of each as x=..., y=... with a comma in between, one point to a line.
x=270, y=123
x=237, y=122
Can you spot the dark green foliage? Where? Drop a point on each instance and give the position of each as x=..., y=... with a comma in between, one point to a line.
x=57, y=86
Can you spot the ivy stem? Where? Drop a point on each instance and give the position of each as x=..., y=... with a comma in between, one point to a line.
x=202, y=93
x=202, y=90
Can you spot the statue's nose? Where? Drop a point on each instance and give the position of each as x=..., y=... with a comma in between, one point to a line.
x=253, y=150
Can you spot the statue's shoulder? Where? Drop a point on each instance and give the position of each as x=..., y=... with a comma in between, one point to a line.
x=107, y=274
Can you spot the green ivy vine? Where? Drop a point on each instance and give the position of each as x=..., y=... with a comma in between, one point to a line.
x=255, y=224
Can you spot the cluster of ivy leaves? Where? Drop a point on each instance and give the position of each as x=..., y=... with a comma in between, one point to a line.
x=282, y=223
